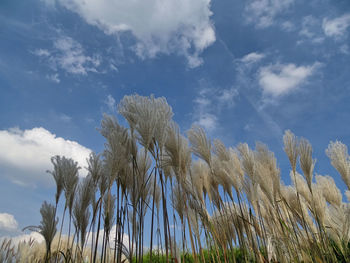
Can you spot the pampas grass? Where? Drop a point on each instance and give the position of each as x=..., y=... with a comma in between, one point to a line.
x=47, y=227
x=202, y=201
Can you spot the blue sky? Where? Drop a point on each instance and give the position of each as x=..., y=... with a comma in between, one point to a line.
x=244, y=70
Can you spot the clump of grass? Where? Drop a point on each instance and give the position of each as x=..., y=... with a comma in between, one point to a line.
x=192, y=199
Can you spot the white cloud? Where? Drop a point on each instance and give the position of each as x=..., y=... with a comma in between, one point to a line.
x=280, y=79
x=252, y=58
x=160, y=26
x=110, y=102
x=9, y=230
x=69, y=56
x=72, y=57
x=8, y=223
x=125, y=239
x=25, y=155
x=263, y=12
x=336, y=27
x=207, y=121
x=27, y=237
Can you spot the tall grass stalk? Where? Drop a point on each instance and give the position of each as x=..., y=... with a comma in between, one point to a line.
x=228, y=202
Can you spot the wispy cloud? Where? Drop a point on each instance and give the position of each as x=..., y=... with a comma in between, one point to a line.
x=280, y=79
x=252, y=58
x=169, y=26
x=71, y=57
x=336, y=27
x=262, y=13
x=210, y=102
x=25, y=155
x=68, y=55
x=311, y=29
x=41, y=52
x=287, y=26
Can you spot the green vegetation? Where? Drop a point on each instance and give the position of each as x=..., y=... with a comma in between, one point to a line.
x=228, y=204
x=209, y=256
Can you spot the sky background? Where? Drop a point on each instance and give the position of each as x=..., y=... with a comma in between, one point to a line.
x=244, y=70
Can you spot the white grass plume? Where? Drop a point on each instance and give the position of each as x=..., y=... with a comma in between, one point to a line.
x=58, y=175
x=291, y=148
x=200, y=144
x=307, y=164
x=48, y=225
x=338, y=153
x=329, y=190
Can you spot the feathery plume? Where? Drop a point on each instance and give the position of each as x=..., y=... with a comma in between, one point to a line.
x=108, y=211
x=149, y=116
x=95, y=167
x=81, y=213
x=291, y=148
x=347, y=194
x=319, y=204
x=307, y=164
x=178, y=154
x=248, y=160
x=222, y=175
x=301, y=186
x=267, y=171
x=221, y=151
x=178, y=200
x=117, y=151
x=70, y=170
x=200, y=144
x=58, y=175
x=236, y=169
x=338, y=222
x=338, y=153
x=47, y=227
x=329, y=190
x=201, y=178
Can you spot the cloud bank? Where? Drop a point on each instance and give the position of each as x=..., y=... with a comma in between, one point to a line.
x=9, y=230
x=159, y=26
x=8, y=223
x=25, y=155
